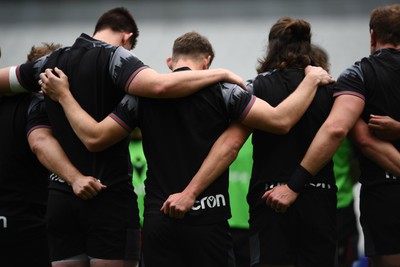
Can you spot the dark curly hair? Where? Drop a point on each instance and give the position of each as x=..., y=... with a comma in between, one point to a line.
x=289, y=45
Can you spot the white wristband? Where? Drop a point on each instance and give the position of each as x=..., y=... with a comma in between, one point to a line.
x=15, y=86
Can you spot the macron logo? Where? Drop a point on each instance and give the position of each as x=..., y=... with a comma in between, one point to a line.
x=209, y=202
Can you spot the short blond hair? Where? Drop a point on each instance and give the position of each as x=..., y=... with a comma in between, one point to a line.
x=40, y=51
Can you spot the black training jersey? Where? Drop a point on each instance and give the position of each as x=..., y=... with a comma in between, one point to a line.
x=99, y=74
x=177, y=136
x=275, y=157
x=23, y=180
x=376, y=79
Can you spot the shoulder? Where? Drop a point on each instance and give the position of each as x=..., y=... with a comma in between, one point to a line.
x=230, y=88
x=353, y=72
x=264, y=76
x=122, y=53
x=263, y=79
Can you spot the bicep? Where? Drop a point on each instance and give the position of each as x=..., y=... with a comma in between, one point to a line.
x=345, y=111
x=261, y=117
x=144, y=83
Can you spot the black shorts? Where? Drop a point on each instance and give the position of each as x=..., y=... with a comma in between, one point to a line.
x=380, y=219
x=241, y=249
x=305, y=234
x=25, y=249
x=347, y=234
x=105, y=227
x=169, y=242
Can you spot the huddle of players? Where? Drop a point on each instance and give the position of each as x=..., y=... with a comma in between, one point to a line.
x=190, y=136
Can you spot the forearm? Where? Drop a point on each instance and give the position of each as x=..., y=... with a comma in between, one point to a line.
x=84, y=126
x=344, y=114
x=51, y=155
x=384, y=154
x=321, y=150
x=381, y=152
x=318, y=154
x=148, y=83
x=222, y=154
x=281, y=119
x=295, y=105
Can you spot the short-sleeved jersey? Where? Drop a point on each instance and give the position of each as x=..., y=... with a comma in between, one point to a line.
x=98, y=74
x=23, y=180
x=177, y=136
x=376, y=79
x=277, y=156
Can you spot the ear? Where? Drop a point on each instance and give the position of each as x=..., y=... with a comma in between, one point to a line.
x=373, y=39
x=206, y=62
x=125, y=40
x=169, y=63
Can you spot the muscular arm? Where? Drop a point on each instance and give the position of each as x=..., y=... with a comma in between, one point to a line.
x=221, y=155
x=261, y=116
x=281, y=119
x=345, y=112
x=379, y=151
x=99, y=135
x=149, y=83
x=52, y=156
x=96, y=136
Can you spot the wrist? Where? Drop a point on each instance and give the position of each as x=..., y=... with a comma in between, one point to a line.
x=299, y=179
x=65, y=98
x=71, y=177
x=312, y=80
x=190, y=192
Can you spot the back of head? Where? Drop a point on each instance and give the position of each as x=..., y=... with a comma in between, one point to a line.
x=193, y=45
x=119, y=20
x=40, y=51
x=289, y=45
x=319, y=57
x=385, y=22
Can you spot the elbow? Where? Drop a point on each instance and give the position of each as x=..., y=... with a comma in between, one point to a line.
x=234, y=147
x=98, y=143
x=93, y=145
x=363, y=143
x=159, y=89
x=336, y=132
x=282, y=126
x=35, y=147
x=36, y=143
x=283, y=129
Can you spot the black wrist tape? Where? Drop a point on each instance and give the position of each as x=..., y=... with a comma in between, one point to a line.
x=299, y=179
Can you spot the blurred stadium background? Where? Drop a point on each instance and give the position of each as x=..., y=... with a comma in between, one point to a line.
x=237, y=28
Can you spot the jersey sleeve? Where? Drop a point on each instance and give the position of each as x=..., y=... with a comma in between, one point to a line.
x=250, y=86
x=238, y=101
x=37, y=115
x=25, y=77
x=126, y=113
x=351, y=82
x=124, y=66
